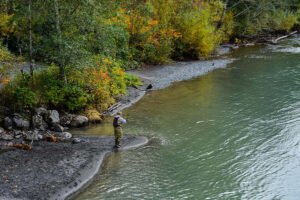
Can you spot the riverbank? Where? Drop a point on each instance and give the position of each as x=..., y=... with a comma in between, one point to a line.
x=56, y=170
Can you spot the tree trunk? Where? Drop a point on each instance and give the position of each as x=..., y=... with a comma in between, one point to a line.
x=59, y=35
x=223, y=15
x=30, y=37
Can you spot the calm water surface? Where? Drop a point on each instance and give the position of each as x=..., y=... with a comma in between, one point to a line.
x=231, y=134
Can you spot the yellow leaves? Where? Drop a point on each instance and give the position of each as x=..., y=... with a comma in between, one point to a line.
x=198, y=27
x=118, y=71
x=153, y=22
x=106, y=61
x=105, y=80
x=121, y=19
x=5, y=55
x=5, y=27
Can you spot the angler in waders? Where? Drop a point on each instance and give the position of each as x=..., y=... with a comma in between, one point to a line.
x=117, y=123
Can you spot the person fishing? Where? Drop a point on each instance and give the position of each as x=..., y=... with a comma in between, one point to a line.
x=117, y=124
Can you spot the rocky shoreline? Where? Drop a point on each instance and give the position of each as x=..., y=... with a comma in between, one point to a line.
x=43, y=125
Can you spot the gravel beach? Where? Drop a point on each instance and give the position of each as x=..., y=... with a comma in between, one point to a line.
x=56, y=170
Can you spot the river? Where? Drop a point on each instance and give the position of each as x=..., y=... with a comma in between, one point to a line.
x=233, y=133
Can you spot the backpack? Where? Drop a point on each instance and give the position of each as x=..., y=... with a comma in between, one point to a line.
x=115, y=122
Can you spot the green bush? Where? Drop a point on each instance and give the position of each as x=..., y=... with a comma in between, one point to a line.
x=284, y=20
x=75, y=98
x=56, y=93
x=132, y=80
x=24, y=98
x=19, y=92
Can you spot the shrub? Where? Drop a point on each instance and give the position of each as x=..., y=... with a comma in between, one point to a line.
x=55, y=93
x=20, y=93
x=132, y=80
x=6, y=59
x=24, y=98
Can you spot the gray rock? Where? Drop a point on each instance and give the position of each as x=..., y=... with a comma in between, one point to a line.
x=20, y=123
x=63, y=135
x=57, y=128
x=8, y=123
x=6, y=137
x=79, y=121
x=67, y=135
x=41, y=111
x=40, y=137
x=66, y=119
x=76, y=140
x=39, y=123
x=53, y=117
x=2, y=130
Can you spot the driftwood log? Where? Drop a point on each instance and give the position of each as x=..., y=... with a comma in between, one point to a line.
x=275, y=41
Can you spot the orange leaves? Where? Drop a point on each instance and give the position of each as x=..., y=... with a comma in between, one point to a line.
x=104, y=76
x=5, y=81
x=96, y=76
x=177, y=34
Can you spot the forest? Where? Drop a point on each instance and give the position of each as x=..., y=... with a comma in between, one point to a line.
x=77, y=51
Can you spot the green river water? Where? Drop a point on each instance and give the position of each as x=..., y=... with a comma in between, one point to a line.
x=233, y=133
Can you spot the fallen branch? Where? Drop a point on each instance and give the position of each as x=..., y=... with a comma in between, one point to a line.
x=112, y=108
x=275, y=41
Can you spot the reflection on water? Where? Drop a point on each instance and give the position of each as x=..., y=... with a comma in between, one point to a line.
x=231, y=134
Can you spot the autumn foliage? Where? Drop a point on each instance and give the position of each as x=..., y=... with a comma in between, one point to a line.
x=88, y=45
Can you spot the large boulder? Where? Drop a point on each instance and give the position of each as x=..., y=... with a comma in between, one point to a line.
x=8, y=124
x=79, y=121
x=20, y=123
x=93, y=115
x=7, y=137
x=53, y=117
x=39, y=123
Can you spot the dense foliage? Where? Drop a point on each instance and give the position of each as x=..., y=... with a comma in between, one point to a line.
x=259, y=17
x=89, y=44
